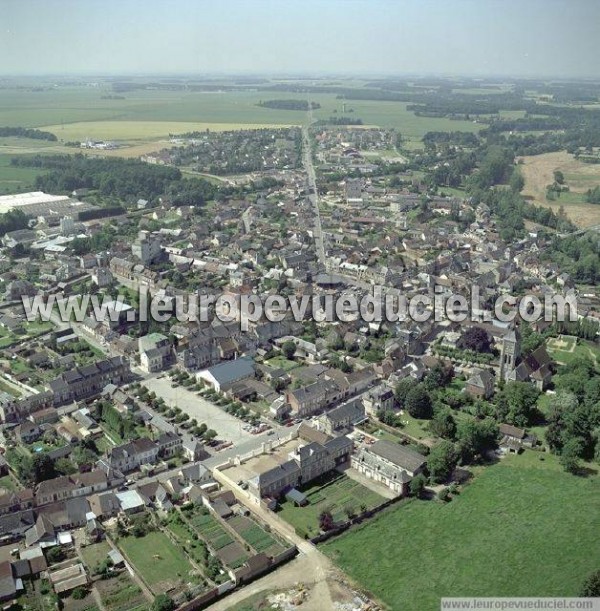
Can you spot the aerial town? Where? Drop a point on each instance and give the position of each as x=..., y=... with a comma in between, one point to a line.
x=238, y=447
x=315, y=460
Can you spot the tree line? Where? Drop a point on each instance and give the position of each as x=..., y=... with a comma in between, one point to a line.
x=25, y=132
x=126, y=179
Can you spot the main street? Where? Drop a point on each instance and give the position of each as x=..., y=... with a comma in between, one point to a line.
x=313, y=195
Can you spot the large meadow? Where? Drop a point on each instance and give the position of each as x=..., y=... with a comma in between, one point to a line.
x=523, y=527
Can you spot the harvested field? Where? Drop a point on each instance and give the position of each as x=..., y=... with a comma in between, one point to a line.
x=538, y=172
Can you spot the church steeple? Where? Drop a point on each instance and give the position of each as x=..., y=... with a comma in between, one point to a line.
x=510, y=353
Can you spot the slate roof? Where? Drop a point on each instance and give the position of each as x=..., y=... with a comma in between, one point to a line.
x=399, y=455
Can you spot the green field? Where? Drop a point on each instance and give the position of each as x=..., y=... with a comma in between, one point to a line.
x=157, y=560
x=74, y=113
x=332, y=494
x=522, y=528
x=13, y=180
x=280, y=362
x=141, y=130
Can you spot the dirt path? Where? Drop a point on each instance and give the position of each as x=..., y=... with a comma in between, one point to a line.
x=321, y=581
x=325, y=583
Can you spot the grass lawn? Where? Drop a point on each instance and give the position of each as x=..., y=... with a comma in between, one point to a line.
x=282, y=363
x=7, y=388
x=522, y=528
x=156, y=559
x=14, y=179
x=334, y=494
x=95, y=554
x=8, y=483
x=566, y=351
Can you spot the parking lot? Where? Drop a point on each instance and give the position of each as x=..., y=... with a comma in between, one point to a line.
x=227, y=426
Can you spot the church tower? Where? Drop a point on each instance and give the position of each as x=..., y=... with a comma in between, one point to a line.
x=510, y=353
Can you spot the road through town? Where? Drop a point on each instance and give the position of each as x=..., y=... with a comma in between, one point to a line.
x=313, y=195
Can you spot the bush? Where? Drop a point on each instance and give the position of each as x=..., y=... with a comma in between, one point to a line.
x=79, y=593
x=444, y=495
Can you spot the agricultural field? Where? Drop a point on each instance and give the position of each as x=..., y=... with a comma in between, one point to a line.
x=144, y=119
x=415, y=553
x=14, y=180
x=160, y=563
x=336, y=494
x=538, y=172
x=228, y=550
x=257, y=537
x=118, y=593
x=121, y=594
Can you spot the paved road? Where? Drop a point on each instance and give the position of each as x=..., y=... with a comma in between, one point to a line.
x=247, y=445
x=313, y=196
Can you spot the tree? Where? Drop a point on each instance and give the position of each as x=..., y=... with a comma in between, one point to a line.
x=559, y=177
x=443, y=424
x=387, y=416
x=561, y=404
x=43, y=467
x=139, y=529
x=418, y=402
x=79, y=593
x=163, y=603
x=441, y=461
x=476, y=339
x=210, y=435
x=444, y=495
x=402, y=389
x=475, y=438
x=289, y=349
x=55, y=554
x=417, y=485
x=517, y=182
x=516, y=403
x=591, y=586
x=438, y=377
x=326, y=521
x=570, y=455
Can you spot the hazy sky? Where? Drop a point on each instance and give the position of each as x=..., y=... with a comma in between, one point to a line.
x=479, y=37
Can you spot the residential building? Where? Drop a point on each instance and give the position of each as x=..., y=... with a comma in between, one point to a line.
x=156, y=352
x=481, y=384
x=88, y=381
x=342, y=419
x=305, y=464
x=390, y=463
x=310, y=399
x=132, y=455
